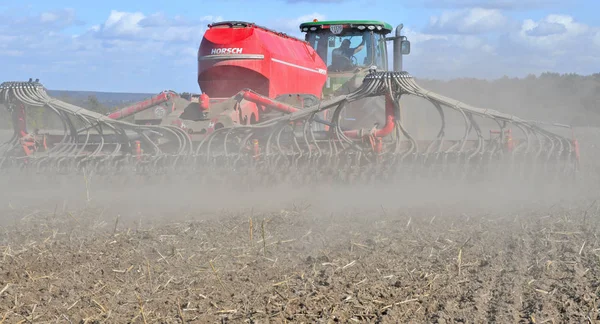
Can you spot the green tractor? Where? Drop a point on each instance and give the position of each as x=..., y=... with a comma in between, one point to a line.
x=351, y=48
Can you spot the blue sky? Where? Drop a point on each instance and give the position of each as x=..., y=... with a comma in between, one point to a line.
x=151, y=45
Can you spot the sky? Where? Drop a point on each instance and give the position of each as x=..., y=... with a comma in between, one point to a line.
x=149, y=46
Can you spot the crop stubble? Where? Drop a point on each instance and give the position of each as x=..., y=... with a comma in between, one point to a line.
x=410, y=265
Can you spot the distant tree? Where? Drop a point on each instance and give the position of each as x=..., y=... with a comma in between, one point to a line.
x=93, y=102
x=186, y=95
x=36, y=117
x=95, y=105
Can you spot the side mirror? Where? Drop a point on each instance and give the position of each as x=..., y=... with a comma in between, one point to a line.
x=405, y=47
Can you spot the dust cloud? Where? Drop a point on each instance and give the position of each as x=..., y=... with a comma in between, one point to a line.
x=537, y=98
x=184, y=198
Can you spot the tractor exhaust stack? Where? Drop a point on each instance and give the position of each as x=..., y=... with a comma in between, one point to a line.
x=401, y=47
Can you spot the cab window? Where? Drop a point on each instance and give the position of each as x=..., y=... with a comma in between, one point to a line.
x=380, y=52
x=347, y=50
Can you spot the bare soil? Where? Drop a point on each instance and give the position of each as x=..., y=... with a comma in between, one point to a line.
x=390, y=266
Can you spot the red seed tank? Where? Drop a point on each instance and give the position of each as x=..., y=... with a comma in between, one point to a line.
x=239, y=55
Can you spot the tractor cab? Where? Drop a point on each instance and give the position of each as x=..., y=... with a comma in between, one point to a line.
x=352, y=47
x=349, y=45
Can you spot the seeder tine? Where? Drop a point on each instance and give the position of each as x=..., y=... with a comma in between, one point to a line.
x=301, y=145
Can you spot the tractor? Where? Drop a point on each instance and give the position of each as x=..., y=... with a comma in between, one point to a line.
x=351, y=48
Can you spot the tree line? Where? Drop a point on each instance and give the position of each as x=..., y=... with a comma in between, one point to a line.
x=552, y=97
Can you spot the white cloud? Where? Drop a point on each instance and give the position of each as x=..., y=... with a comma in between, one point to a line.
x=445, y=56
x=12, y=24
x=48, y=17
x=123, y=23
x=126, y=52
x=469, y=42
x=554, y=43
x=489, y=4
x=291, y=26
x=597, y=39
x=416, y=37
x=553, y=34
x=156, y=27
x=545, y=28
x=468, y=21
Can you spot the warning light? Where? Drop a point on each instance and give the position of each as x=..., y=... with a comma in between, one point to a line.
x=315, y=20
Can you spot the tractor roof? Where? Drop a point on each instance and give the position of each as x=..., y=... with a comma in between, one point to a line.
x=387, y=28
